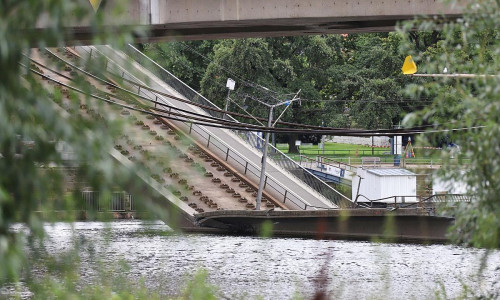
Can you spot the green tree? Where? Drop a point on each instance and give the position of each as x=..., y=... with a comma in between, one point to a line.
x=469, y=45
x=361, y=71
x=186, y=60
x=309, y=57
x=368, y=80
x=272, y=70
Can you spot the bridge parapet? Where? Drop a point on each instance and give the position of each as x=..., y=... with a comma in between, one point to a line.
x=215, y=19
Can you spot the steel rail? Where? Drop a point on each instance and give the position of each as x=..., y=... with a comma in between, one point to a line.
x=305, y=204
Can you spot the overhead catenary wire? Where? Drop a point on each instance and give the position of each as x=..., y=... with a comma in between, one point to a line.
x=258, y=119
x=317, y=128
x=135, y=95
x=164, y=94
x=132, y=107
x=170, y=96
x=239, y=126
x=294, y=124
x=457, y=75
x=403, y=103
x=249, y=96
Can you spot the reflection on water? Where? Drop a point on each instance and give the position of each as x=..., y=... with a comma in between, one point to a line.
x=244, y=267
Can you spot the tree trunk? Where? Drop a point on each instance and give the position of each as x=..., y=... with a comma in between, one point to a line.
x=291, y=144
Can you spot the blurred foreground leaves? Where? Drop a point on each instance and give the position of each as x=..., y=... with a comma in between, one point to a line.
x=471, y=45
x=32, y=125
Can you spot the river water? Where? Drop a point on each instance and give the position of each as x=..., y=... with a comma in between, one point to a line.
x=248, y=267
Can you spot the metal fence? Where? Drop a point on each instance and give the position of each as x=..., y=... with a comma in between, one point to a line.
x=346, y=152
x=251, y=138
x=117, y=202
x=385, y=161
x=413, y=201
x=321, y=162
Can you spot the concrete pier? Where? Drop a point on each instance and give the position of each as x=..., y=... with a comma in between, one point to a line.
x=406, y=225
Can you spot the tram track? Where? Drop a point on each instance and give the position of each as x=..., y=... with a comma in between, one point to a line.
x=101, y=96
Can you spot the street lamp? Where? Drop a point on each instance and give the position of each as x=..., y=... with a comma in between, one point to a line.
x=230, y=85
x=266, y=142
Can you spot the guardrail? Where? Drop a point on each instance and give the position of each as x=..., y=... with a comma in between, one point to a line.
x=119, y=202
x=255, y=141
x=334, y=163
x=384, y=160
x=408, y=201
x=362, y=152
x=214, y=143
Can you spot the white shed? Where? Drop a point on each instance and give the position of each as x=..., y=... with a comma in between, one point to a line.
x=381, y=183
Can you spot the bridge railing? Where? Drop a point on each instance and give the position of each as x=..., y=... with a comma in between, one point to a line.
x=255, y=141
x=414, y=201
x=213, y=142
x=321, y=161
x=119, y=202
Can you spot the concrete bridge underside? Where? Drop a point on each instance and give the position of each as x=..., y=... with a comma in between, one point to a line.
x=216, y=19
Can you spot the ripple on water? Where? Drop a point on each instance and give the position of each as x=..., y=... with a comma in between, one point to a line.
x=280, y=267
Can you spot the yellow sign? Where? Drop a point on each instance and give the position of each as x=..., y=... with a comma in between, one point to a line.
x=409, y=66
x=95, y=4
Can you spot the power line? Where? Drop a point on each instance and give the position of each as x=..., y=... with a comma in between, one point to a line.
x=395, y=101
x=402, y=102
x=241, y=94
x=189, y=102
x=247, y=127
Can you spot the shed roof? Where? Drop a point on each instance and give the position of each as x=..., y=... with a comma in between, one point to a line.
x=391, y=172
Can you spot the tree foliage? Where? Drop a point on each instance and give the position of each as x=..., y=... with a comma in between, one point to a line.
x=358, y=73
x=32, y=125
x=470, y=45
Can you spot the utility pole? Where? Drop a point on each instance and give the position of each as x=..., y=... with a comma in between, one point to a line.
x=270, y=124
x=372, y=145
x=264, y=161
x=323, y=138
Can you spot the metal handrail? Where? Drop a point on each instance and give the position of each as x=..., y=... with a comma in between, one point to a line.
x=91, y=200
x=278, y=157
x=443, y=198
x=347, y=166
x=336, y=164
x=230, y=153
x=420, y=199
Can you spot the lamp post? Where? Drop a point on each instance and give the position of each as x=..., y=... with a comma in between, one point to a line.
x=230, y=86
x=266, y=143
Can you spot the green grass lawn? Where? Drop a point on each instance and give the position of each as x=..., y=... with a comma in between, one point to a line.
x=336, y=149
x=353, y=153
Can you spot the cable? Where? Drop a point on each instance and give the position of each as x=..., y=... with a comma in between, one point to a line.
x=128, y=106
x=333, y=131
x=263, y=129
x=406, y=102
x=130, y=92
x=219, y=110
x=367, y=100
x=182, y=100
x=154, y=91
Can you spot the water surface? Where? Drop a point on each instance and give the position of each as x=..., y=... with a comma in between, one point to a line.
x=278, y=268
